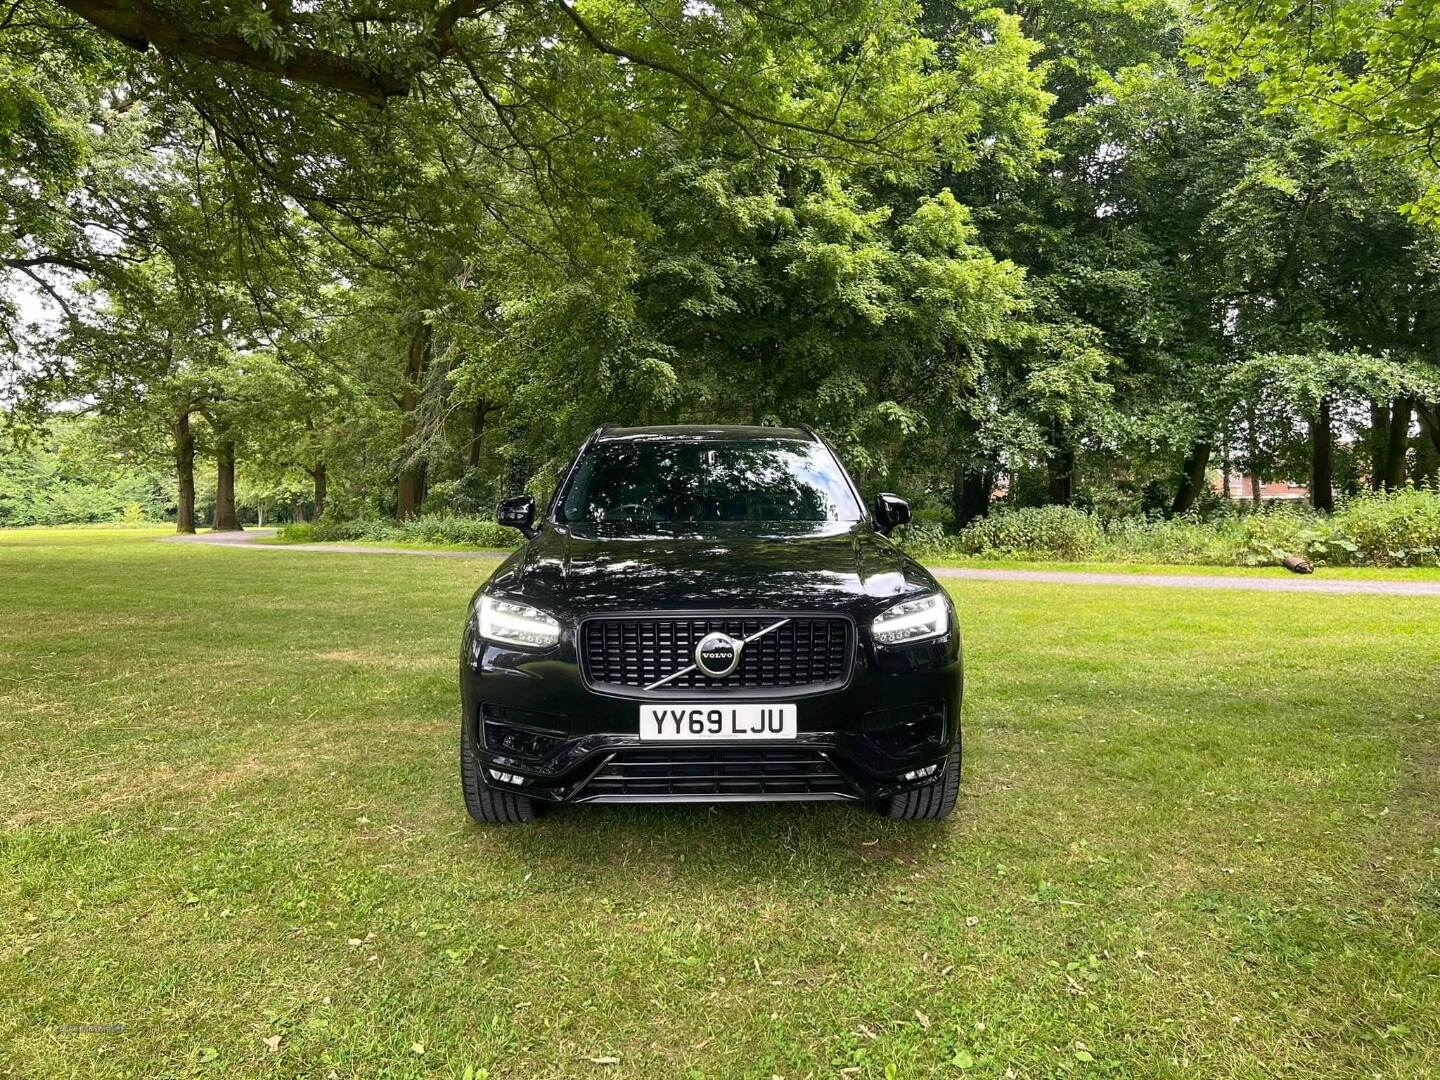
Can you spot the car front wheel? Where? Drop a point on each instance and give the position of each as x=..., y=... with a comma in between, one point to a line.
x=931, y=802
x=487, y=805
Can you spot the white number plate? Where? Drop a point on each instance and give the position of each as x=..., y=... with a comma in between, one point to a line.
x=716, y=723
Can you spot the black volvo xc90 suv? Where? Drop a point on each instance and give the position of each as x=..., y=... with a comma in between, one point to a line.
x=709, y=614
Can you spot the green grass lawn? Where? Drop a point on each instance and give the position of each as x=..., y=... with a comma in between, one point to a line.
x=1199, y=836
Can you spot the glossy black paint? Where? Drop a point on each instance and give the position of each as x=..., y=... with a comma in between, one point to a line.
x=518, y=513
x=576, y=571
x=891, y=511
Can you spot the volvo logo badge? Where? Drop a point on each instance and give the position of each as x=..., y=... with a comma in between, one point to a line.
x=718, y=654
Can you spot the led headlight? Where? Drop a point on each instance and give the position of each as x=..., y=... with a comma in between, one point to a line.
x=513, y=623
x=912, y=620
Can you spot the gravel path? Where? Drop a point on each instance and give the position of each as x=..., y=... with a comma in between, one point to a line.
x=247, y=539
x=1198, y=581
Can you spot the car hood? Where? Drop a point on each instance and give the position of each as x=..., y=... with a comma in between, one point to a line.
x=577, y=570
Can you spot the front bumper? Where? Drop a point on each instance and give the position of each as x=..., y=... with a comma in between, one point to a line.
x=537, y=729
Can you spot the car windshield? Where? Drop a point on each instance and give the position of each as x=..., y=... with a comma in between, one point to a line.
x=688, y=481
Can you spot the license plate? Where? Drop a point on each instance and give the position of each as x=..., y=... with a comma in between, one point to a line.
x=716, y=723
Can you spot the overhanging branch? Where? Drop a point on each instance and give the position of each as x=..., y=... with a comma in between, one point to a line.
x=49, y=260
x=140, y=25
x=731, y=108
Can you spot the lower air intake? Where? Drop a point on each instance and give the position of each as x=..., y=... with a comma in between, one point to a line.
x=731, y=772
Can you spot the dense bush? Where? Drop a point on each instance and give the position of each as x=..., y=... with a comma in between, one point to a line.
x=1401, y=528
x=1375, y=529
x=1183, y=540
x=1033, y=532
x=924, y=536
x=428, y=529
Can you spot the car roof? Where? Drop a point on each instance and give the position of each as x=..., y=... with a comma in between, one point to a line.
x=702, y=433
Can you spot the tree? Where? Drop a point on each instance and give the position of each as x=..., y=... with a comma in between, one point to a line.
x=81, y=173
x=71, y=471
x=1323, y=386
x=1365, y=71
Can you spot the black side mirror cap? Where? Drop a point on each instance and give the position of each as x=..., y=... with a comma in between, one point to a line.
x=890, y=511
x=518, y=512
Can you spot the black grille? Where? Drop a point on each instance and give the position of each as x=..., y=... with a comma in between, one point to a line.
x=806, y=651
x=712, y=771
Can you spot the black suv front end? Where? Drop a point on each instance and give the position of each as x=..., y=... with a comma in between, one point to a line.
x=763, y=643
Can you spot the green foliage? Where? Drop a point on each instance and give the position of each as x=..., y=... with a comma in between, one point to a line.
x=1267, y=538
x=1365, y=70
x=922, y=537
x=1400, y=528
x=33, y=136
x=1183, y=540
x=1039, y=532
x=65, y=476
x=1305, y=379
x=962, y=241
x=433, y=529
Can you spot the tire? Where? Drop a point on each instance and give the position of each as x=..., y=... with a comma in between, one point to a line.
x=488, y=805
x=929, y=803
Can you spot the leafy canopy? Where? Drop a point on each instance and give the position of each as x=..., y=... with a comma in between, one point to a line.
x=1367, y=70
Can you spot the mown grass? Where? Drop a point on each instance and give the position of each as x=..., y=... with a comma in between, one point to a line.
x=1198, y=837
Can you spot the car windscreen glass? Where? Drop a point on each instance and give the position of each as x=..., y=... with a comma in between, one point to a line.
x=670, y=480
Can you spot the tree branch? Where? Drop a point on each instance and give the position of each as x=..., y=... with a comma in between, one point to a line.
x=140, y=25
x=726, y=106
x=51, y=292
x=49, y=260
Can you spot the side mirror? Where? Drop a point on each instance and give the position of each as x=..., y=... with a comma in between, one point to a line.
x=890, y=511
x=518, y=512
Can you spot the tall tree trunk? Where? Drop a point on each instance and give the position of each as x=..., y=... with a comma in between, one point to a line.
x=477, y=433
x=1430, y=421
x=1225, y=468
x=414, y=486
x=970, y=493
x=226, y=519
x=1322, y=459
x=1427, y=454
x=322, y=482
x=1252, y=451
x=1192, y=482
x=1398, y=443
x=185, y=474
x=413, y=475
x=1429, y=411
x=297, y=510
x=1060, y=467
x=1379, y=443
